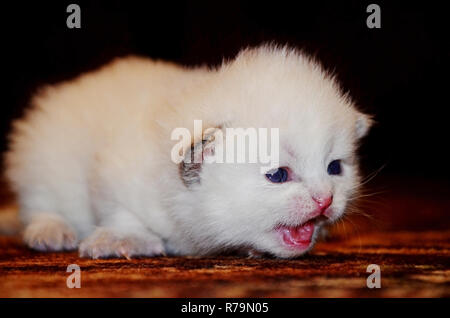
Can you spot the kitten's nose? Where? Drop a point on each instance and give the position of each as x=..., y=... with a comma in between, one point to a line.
x=323, y=201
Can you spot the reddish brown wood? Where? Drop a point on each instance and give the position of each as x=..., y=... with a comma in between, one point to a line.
x=407, y=235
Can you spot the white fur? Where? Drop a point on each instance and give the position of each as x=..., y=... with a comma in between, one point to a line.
x=94, y=155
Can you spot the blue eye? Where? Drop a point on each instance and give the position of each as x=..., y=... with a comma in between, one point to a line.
x=334, y=168
x=279, y=176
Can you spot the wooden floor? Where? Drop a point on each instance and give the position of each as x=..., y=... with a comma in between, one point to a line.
x=407, y=234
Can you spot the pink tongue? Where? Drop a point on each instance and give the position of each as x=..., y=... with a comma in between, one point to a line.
x=298, y=236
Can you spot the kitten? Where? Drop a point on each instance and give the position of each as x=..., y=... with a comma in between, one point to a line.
x=91, y=160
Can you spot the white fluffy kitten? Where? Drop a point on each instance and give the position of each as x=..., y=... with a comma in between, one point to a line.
x=91, y=162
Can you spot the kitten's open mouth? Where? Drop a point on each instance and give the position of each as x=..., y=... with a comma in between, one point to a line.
x=299, y=236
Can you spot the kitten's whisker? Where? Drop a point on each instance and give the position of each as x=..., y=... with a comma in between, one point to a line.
x=372, y=175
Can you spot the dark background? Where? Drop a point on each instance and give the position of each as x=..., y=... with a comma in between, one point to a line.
x=395, y=73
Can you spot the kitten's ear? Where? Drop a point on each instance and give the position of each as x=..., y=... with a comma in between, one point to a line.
x=189, y=169
x=200, y=152
x=363, y=124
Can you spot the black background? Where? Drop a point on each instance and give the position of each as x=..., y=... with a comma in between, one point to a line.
x=398, y=73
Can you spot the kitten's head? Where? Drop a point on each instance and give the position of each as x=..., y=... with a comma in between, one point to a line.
x=282, y=210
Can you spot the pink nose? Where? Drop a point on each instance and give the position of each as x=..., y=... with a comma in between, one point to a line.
x=323, y=202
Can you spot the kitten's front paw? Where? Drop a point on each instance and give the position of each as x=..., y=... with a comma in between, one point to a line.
x=104, y=243
x=49, y=234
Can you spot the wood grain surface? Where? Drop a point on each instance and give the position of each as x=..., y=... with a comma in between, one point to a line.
x=405, y=230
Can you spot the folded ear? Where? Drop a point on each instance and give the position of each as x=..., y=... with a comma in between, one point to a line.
x=363, y=124
x=189, y=169
x=200, y=152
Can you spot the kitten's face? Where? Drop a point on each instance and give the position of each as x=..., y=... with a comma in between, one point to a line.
x=281, y=213
x=319, y=130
